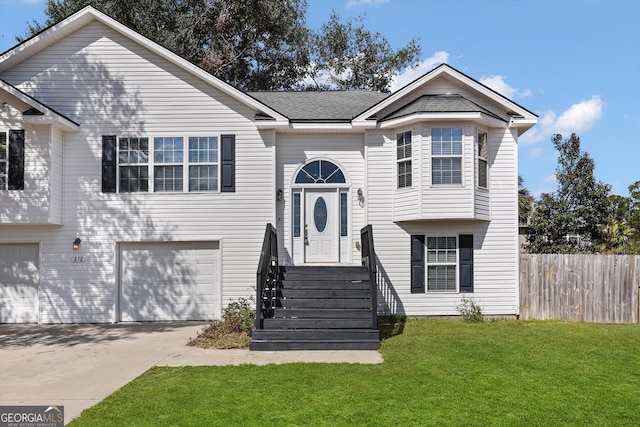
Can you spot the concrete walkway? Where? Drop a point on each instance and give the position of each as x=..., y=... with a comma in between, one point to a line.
x=77, y=366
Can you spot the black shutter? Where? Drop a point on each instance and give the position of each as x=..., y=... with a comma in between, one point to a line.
x=417, y=264
x=228, y=164
x=108, y=163
x=466, y=262
x=16, y=160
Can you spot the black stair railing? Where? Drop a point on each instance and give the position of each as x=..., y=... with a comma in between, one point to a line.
x=267, y=277
x=369, y=260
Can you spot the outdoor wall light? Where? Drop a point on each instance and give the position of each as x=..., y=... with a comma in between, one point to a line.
x=76, y=244
x=360, y=197
x=279, y=194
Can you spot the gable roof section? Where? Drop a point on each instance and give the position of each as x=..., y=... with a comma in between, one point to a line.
x=39, y=113
x=520, y=116
x=320, y=106
x=88, y=14
x=439, y=104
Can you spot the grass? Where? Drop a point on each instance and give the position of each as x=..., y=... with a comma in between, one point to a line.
x=438, y=372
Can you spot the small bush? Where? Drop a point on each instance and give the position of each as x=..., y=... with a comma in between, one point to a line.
x=232, y=331
x=470, y=311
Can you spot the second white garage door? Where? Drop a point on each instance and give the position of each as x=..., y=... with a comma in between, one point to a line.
x=19, y=283
x=169, y=281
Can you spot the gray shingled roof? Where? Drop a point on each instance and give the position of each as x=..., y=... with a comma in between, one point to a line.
x=320, y=106
x=439, y=104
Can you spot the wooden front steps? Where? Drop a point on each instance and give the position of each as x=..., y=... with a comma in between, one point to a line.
x=320, y=308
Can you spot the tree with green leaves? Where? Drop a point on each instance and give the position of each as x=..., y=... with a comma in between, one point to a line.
x=345, y=55
x=573, y=219
x=257, y=44
x=525, y=202
x=634, y=209
x=623, y=228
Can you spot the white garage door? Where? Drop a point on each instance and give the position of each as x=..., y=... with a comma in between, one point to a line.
x=19, y=283
x=169, y=281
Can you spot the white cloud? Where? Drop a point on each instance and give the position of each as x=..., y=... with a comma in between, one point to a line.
x=412, y=74
x=535, y=152
x=551, y=178
x=358, y=3
x=578, y=118
x=499, y=84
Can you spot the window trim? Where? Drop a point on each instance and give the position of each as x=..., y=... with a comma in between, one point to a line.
x=406, y=160
x=447, y=156
x=480, y=159
x=428, y=264
x=186, y=164
x=168, y=164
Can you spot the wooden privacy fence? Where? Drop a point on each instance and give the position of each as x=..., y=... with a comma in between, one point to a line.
x=590, y=288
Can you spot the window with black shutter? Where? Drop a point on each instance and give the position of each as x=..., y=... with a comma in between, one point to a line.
x=168, y=164
x=12, y=160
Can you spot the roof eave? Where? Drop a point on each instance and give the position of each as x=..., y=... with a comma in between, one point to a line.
x=54, y=120
x=321, y=126
x=478, y=117
x=48, y=116
x=522, y=124
x=271, y=124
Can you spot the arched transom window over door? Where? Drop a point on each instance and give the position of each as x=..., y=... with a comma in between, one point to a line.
x=320, y=214
x=320, y=172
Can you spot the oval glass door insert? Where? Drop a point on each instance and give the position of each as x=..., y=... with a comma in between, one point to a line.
x=320, y=214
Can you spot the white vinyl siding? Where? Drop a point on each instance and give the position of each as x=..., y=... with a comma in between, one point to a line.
x=40, y=201
x=495, y=251
x=112, y=86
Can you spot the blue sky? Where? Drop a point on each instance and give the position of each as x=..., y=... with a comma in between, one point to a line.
x=575, y=63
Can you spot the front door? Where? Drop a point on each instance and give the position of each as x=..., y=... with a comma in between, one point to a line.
x=321, y=227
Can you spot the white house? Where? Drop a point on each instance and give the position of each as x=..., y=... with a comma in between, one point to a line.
x=136, y=186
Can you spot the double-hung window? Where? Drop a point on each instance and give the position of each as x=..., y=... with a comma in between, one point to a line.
x=482, y=160
x=203, y=163
x=168, y=157
x=133, y=156
x=403, y=141
x=442, y=263
x=446, y=156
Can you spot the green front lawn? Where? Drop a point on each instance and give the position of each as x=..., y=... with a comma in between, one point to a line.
x=438, y=372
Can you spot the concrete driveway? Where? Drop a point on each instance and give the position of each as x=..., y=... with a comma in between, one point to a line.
x=77, y=366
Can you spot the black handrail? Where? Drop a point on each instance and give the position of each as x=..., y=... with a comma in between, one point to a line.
x=267, y=276
x=369, y=260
